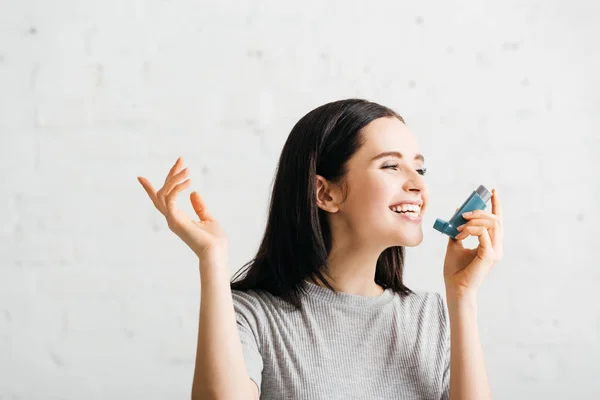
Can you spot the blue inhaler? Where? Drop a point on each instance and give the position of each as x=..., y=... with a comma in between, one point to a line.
x=476, y=201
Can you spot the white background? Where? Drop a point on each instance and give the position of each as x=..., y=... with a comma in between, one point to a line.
x=99, y=300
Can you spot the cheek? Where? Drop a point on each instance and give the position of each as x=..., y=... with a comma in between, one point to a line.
x=371, y=199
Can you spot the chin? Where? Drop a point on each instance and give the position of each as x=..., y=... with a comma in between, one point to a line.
x=413, y=243
x=409, y=241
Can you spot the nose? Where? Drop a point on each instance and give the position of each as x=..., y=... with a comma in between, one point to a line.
x=415, y=182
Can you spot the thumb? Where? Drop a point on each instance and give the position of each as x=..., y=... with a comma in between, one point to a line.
x=200, y=207
x=455, y=244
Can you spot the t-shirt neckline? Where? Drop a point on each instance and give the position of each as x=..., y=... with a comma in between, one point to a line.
x=347, y=299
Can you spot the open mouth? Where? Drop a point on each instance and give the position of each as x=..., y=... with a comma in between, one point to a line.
x=410, y=210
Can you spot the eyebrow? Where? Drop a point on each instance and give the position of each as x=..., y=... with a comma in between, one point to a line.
x=396, y=154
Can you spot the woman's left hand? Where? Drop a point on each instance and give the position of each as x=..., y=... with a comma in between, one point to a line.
x=465, y=269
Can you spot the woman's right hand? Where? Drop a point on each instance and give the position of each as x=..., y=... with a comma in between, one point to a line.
x=205, y=237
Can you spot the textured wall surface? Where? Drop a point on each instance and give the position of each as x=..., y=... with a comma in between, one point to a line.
x=99, y=300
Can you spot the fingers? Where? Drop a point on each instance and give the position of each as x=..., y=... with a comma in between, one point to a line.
x=452, y=242
x=200, y=207
x=480, y=214
x=174, y=180
x=176, y=174
x=165, y=198
x=480, y=231
x=474, y=225
x=175, y=168
x=488, y=223
x=492, y=221
x=496, y=207
x=149, y=189
x=171, y=198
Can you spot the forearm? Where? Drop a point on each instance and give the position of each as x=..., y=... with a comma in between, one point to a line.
x=468, y=379
x=220, y=371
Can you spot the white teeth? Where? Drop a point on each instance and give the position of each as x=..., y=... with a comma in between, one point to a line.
x=410, y=208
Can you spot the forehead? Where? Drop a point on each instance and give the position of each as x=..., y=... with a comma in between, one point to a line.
x=388, y=134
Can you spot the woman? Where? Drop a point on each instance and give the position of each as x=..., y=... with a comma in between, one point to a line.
x=322, y=311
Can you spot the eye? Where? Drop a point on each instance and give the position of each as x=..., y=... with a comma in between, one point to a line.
x=421, y=171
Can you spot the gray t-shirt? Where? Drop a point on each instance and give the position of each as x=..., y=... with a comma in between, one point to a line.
x=345, y=346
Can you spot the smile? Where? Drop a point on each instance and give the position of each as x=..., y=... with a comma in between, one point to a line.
x=408, y=209
x=408, y=212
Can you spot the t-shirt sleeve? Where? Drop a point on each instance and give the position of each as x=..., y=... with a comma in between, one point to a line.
x=247, y=318
x=445, y=337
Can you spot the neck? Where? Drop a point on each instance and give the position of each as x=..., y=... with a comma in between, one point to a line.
x=351, y=269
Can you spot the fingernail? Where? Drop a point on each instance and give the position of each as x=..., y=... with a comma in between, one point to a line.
x=467, y=213
x=460, y=228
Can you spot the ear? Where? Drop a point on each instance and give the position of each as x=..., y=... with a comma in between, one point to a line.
x=328, y=195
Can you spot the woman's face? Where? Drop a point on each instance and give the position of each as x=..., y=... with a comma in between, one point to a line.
x=385, y=171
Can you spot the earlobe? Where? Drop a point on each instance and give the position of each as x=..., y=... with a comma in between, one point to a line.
x=325, y=200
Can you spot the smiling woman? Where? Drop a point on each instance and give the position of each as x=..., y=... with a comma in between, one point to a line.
x=348, y=196
x=344, y=167
x=339, y=173
x=322, y=311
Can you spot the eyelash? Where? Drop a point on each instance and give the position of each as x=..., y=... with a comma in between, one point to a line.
x=421, y=171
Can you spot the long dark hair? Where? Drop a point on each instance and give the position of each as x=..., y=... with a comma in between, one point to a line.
x=297, y=238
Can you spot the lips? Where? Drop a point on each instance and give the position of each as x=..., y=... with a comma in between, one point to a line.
x=412, y=209
x=408, y=209
x=414, y=202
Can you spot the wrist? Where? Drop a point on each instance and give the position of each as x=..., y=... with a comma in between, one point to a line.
x=212, y=273
x=460, y=295
x=213, y=254
x=211, y=263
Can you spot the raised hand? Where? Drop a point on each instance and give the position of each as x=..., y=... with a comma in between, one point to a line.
x=205, y=236
x=465, y=269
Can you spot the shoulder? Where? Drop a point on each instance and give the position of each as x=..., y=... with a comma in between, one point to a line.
x=254, y=306
x=425, y=299
x=248, y=304
x=424, y=317
x=427, y=307
x=249, y=314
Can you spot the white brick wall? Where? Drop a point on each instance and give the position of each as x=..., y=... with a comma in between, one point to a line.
x=99, y=300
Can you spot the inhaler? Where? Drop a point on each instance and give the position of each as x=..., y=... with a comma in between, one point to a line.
x=476, y=201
